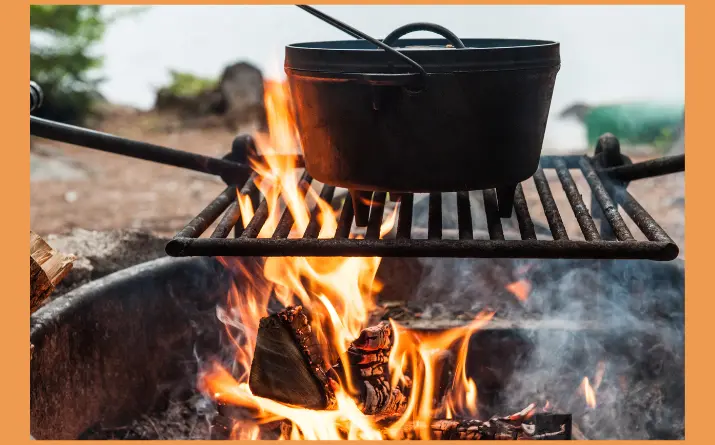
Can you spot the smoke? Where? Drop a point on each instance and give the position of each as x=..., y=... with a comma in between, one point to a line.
x=631, y=325
x=623, y=329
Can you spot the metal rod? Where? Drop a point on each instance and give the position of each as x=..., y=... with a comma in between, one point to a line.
x=464, y=216
x=566, y=249
x=360, y=35
x=287, y=219
x=647, y=169
x=345, y=222
x=313, y=229
x=404, y=222
x=496, y=232
x=609, y=208
x=250, y=189
x=521, y=208
x=583, y=216
x=377, y=210
x=203, y=220
x=140, y=150
x=556, y=225
x=434, y=216
x=254, y=226
x=640, y=216
x=229, y=220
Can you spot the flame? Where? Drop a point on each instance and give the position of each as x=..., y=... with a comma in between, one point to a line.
x=245, y=206
x=588, y=391
x=338, y=293
x=520, y=289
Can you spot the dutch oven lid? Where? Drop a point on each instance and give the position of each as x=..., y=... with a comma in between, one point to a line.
x=434, y=55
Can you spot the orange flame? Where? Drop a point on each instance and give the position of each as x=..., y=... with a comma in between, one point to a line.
x=520, y=289
x=588, y=391
x=339, y=295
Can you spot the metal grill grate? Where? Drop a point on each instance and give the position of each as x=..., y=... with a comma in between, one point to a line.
x=608, y=194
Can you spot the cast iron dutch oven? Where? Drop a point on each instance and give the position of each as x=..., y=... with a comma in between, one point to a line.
x=466, y=114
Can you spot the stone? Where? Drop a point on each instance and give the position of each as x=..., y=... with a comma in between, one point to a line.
x=102, y=253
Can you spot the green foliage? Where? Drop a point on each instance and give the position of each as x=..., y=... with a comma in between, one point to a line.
x=189, y=85
x=63, y=60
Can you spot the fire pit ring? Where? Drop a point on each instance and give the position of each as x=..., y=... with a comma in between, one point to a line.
x=102, y=352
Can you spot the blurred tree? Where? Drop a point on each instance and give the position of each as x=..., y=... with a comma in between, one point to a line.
x=62, y=57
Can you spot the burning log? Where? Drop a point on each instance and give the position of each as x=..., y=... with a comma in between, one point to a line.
x=493, y=429
x=368, y=357
x=541, y=426
x=288, y=365
x=47, y=268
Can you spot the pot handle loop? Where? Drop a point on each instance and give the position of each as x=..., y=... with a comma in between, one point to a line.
x=395, y=35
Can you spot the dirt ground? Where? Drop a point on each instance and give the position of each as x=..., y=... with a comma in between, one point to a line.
x=75, y=187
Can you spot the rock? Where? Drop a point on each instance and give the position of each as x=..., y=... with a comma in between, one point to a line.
x=241, y=88
x=238, y=98
x=102, y=253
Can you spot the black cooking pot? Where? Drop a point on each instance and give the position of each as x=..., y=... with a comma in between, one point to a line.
x=452, y=115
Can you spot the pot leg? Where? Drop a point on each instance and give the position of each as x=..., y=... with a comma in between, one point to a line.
x=394, y=197
x=361, y=205
x=505, y=199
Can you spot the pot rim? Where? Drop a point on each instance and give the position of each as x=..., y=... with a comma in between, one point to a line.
x=359, y=56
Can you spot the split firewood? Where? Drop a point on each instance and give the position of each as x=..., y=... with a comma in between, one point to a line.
x=288, y=364
x=47, y=268
x=368, y=357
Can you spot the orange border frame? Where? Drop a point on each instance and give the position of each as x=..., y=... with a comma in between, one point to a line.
x=699, y=308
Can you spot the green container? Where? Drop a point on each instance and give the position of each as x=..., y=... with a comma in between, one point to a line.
x=654, y=124
x=636, y=124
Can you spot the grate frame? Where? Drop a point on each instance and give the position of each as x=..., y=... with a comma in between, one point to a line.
x=607, y=193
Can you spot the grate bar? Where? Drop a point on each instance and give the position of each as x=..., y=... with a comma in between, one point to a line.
x=496, y=232
x=521, y=208
x=313, y=229
x=464, y=216
x=404, y=223
x=647, y=169
x=233, y=218
x=556, y=225
x=203, y=220
x=434, y=223
x=287, y=219
x=567, y=249
x=253, y=228
x=645, y=222
x=606, y=192
x=377, y=210
x=583, y=217
x=229, y=220
x=346, y=218
x=609, y=208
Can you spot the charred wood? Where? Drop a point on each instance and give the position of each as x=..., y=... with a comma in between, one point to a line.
x=288, y=365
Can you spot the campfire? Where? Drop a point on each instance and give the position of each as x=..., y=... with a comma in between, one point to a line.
x=317, y=368
x=328, y=343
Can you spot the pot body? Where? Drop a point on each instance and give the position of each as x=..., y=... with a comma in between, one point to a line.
x=467, y=128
